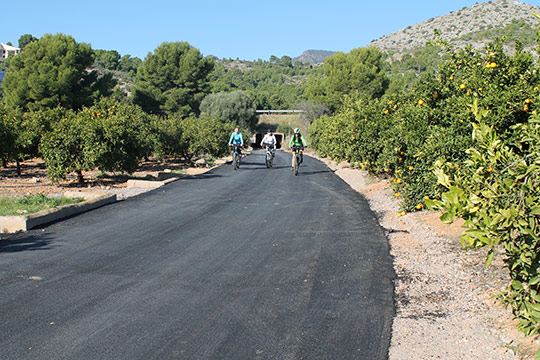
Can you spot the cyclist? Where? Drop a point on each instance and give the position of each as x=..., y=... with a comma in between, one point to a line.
x=269, y=140
x=237, y=139
x=297, y=140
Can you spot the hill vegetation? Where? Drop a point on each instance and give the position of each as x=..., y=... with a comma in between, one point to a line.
x=472, y=26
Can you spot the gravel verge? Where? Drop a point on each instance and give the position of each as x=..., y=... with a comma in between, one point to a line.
x=445, y=305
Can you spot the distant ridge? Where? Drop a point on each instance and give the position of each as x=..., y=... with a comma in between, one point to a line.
x=313, y=56
x=474, y=25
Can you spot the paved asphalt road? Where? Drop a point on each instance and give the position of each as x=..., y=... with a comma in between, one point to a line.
x=247, y=264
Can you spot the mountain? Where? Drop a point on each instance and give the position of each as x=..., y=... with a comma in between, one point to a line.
x=313, y=56
x=474, y=25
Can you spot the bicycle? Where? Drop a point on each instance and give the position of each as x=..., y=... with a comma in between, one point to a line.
x=236, y=156
x=269, y=155
x=297, y=160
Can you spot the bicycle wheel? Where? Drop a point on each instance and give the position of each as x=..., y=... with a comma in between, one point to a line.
x=296, y=164
x=235, y=161
x=268, y=160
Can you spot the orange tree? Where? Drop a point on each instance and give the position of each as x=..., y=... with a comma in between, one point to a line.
x=24, y=131
x=62, y=148
x=168, y=136
x=190, y=138
x=7, y=135
x=109, y=135
x=119, y=135
x=497, y=191
x=405, y=134
x=207, y=136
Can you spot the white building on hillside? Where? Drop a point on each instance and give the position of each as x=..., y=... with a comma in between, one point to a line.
x=5, y=49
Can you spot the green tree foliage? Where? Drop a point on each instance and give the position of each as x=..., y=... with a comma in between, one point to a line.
x=496, y=191
x=173, y=79
x=404, y=71
x=7, y=134
x=359, y=72
x=285, y=61
x=129, y=64
x=168, y=131
x=235, y=107
x=271, y=85
x=64, y=148
x=311, y=111
x=119, y=136
x=53, y=72
x=110, y=135
x=433, y=119
x=25, y=40
x=25, y=130
x=190, y=138
x=109, y=59
x=206, y=136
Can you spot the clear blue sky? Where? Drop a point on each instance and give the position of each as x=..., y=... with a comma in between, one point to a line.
x=245, y=29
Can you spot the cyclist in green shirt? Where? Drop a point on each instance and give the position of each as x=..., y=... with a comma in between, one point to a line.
x=297, y=140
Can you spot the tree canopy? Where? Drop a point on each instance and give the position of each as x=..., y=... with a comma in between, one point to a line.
x=173, y=79
x=53, y=72
x=108, y=58
x=25, y=40
x=271, y=84
x=235, y=107
x=359, y=72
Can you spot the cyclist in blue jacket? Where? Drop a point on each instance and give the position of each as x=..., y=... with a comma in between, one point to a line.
x=237, y=139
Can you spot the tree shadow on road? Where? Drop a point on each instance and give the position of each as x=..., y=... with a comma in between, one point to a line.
x=328, y=171
x=13, y=244
x=199, y=176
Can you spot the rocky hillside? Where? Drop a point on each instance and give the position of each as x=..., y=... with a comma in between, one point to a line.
x=313, y=56
x=475, y=25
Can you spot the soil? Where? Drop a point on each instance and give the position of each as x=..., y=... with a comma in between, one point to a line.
x=445, y=305
x=33, y=179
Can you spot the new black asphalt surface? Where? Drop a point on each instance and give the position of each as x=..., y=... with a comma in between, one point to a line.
x=248, y=264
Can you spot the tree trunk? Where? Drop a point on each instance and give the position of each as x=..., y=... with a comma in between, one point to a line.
x=80, y=177
x=18, y=167
x=4, y=163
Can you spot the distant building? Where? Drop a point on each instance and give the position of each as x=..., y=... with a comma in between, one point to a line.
x=6, y=49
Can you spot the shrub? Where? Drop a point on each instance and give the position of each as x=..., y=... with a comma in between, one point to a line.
x=110, y=135
x=206, y=136
x=497, y=191
x=63, y=148
x=433, y=119
x=168, y=132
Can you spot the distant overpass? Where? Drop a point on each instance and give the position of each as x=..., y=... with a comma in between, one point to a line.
x=269, y=112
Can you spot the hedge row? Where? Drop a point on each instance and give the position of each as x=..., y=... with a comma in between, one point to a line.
x=402, y=136
x=110, y=136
